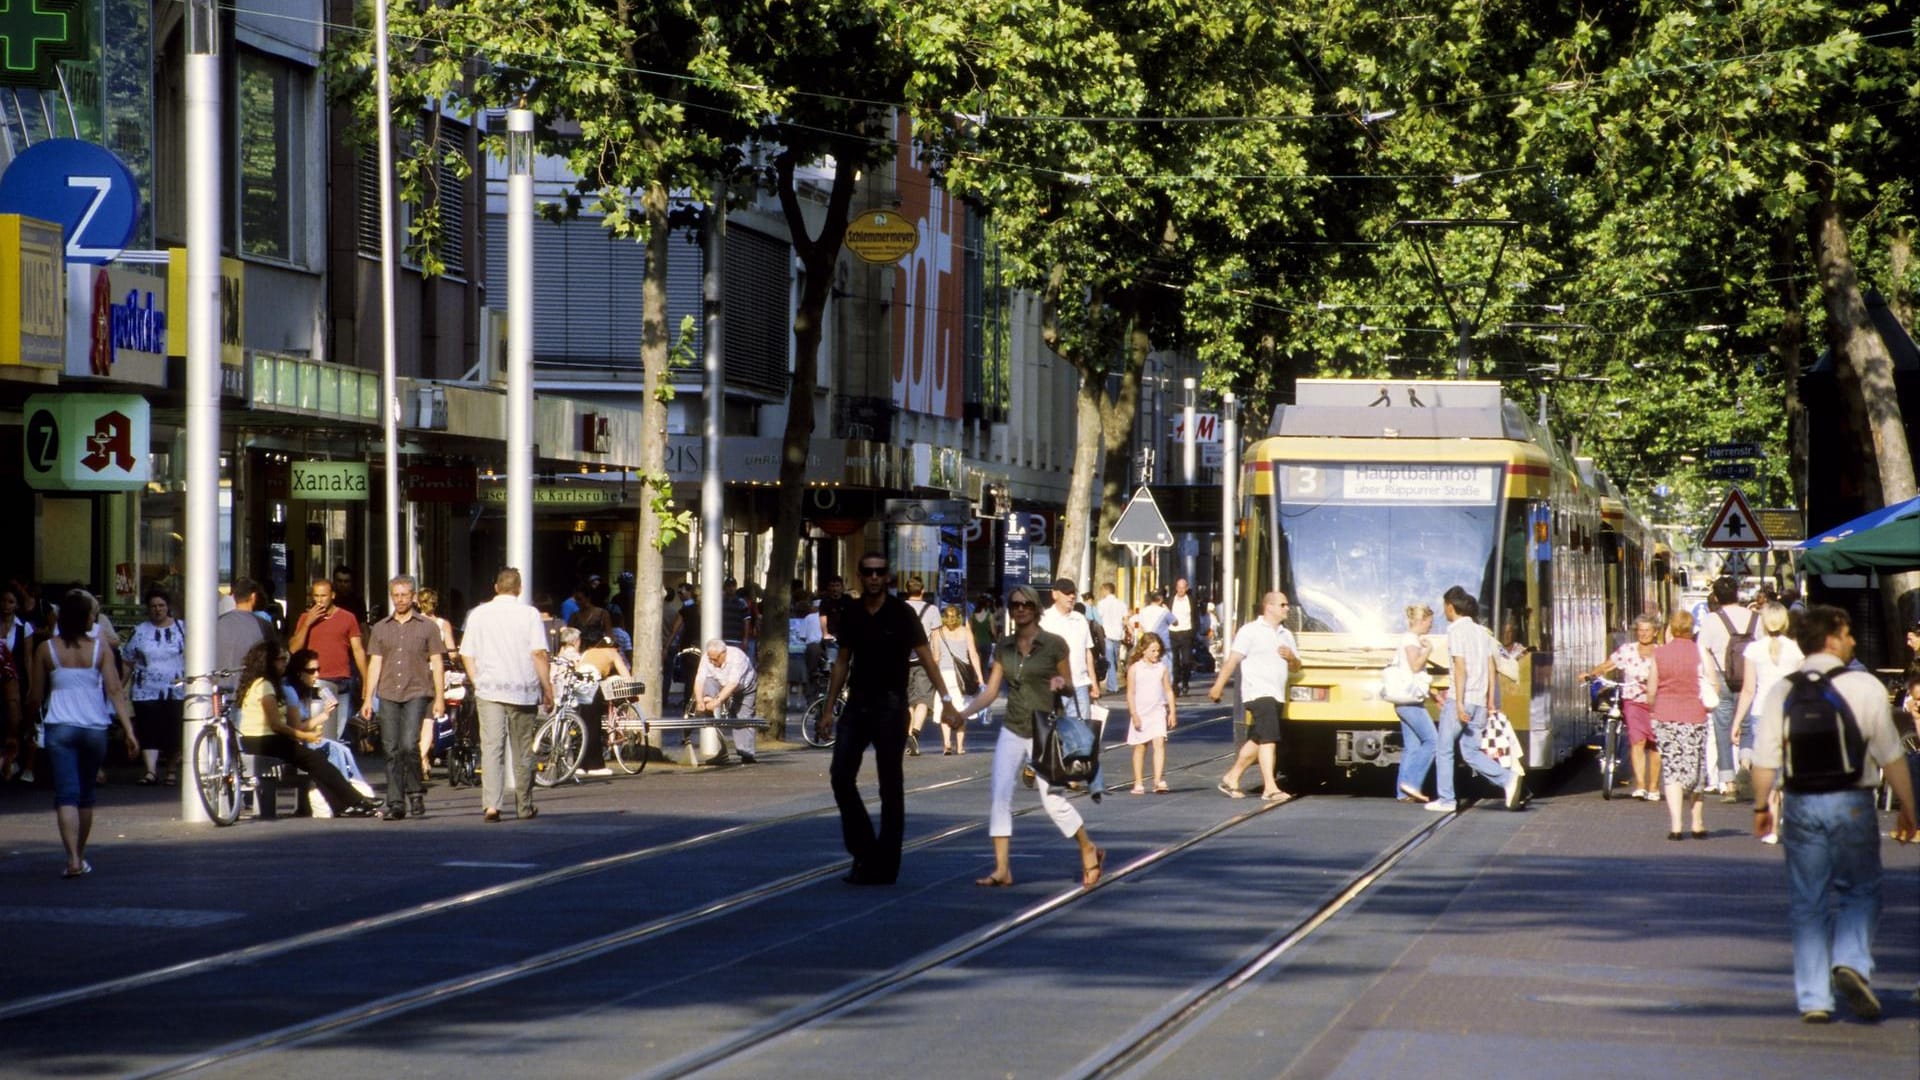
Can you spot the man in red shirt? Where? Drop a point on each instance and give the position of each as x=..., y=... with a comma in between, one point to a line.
x=333, y=633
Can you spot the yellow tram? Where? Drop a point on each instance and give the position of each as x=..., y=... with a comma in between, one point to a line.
x=1365, y=497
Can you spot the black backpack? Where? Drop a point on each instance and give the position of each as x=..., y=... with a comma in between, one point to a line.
x=1824, y=750
x=1735, y=667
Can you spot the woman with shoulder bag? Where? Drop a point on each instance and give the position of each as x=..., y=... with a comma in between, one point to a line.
x=1032, y=665
x=1407, y=685
x=960, y=667
x=76, y=679
x=157, y=651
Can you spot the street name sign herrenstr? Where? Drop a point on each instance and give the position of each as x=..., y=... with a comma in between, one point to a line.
x=1140, y=524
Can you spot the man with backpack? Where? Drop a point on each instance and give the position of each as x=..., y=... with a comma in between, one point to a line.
x=1831, y=730
x=1725, y=632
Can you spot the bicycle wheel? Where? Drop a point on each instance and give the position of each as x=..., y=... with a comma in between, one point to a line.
x=215, y=767
x=627, y=738
x=1609, y=757
x=810, y=723
x=557, y=749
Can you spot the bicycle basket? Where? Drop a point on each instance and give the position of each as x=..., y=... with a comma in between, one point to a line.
x=619, y=690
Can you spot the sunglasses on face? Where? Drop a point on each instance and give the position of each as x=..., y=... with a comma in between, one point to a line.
x=310, y=671
x=1012, y=604
x=873, y=571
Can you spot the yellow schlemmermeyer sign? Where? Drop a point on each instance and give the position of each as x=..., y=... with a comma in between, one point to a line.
x=33, y=292
x=882, y=236
x=233, y=307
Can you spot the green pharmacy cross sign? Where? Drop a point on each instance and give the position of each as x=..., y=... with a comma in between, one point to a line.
x=35, y=35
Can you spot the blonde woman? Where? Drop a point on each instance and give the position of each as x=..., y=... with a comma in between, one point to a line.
x=1150, y=704
x=1770, y=657
x=954, y=646
x=1419, y=737
x=428, y=604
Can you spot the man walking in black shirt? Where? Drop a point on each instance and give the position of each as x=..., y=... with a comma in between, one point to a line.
x=877, y=633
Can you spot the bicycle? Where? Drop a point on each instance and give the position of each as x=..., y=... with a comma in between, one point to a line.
x=219, y=768
x=625, y=725
x=560, y=742
x=810, y=720
x=1604, y=695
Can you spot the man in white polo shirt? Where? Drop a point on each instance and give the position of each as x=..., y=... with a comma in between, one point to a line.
x=505, y=652
x=1071, y=626
x=1263, y=651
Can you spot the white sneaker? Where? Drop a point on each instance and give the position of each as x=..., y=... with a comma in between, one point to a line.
x=1653, y=796
x=1640, y=793
x=596, y=772
x=1770, y=838
x=1513, y=791
x=1441, y=806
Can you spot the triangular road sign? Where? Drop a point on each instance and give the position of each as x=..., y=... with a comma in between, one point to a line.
x=1734, y=528
x=1141, y=524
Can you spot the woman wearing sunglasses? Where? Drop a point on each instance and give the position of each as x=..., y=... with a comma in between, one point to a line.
x=1032, y=665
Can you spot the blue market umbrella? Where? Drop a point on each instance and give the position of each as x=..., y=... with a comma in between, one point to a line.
x=1887, y=540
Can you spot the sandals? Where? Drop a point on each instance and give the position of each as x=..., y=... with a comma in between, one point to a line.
x=991, y=882
x=1160, y=787
x=149, y=780
x=82, y=870
x=1090, y=875
x=1276, y=796
x=1229, y=792
x=1413, y=794
x=1138, y=789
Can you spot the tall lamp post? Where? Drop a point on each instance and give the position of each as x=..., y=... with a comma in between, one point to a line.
x=389, y=378
x=520, y=344
x=202, y=607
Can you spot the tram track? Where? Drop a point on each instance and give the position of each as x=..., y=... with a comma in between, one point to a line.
x=253, y=954
x=395, y=1005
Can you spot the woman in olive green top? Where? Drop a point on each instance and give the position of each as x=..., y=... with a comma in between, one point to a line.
x=1032, y=665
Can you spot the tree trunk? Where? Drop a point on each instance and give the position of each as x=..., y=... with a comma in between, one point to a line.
x=1077, y=518
x=1899, y=263
x=818, y=256
x=1859, y=349
x=1116, y=427
x=647, y=629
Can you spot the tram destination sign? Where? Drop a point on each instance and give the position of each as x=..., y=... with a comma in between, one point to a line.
x=1389, y=482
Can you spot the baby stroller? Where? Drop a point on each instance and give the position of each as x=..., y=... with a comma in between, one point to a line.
x=456, y=736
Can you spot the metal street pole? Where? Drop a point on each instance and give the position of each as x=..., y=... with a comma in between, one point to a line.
x=520, y=345
x=202, y=607
x=1229, y=511
x=713, y=521
x=389, y=378
x=1189, y=450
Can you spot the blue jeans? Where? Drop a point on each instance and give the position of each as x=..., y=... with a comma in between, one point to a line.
x=1450, y=730
x=74, y=754
x=1832, y=843
x=400, y=742
x=1113, y=665
x=1417, y=745
x=1723, y=736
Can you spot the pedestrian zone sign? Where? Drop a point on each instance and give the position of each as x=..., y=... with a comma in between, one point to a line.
x=1734, y=528
x=1140, y=524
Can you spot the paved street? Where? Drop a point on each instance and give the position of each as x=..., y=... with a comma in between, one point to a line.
x=692, y=921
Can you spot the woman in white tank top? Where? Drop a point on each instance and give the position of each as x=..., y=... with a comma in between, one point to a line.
x=76, y=683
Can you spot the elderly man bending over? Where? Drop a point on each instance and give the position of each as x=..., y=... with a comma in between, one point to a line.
x=724, y=688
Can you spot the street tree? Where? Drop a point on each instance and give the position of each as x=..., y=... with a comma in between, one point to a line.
x=637, y=101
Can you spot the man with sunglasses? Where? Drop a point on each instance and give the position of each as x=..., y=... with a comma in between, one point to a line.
x=1265, y=654
x=877, y=633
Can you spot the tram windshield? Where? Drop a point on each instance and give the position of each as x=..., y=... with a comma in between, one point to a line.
x=1354, y=544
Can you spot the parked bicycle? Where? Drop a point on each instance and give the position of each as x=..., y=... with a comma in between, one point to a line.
x=219, y=768
x=810, y=720
x=626, y=725
x=1604, y=695
x=561, y=739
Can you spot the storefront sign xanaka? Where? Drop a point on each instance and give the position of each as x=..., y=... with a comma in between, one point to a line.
x=330, y=481
x=33, y=292
x=86, y=442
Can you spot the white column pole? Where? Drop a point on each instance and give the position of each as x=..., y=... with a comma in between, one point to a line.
x=1189, y=450
x=520, y=345
x=202, y=606
x=389, y=378
x=713, y=521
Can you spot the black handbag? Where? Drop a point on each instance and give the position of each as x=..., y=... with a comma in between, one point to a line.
x=969, y=678
x=1066, y=749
